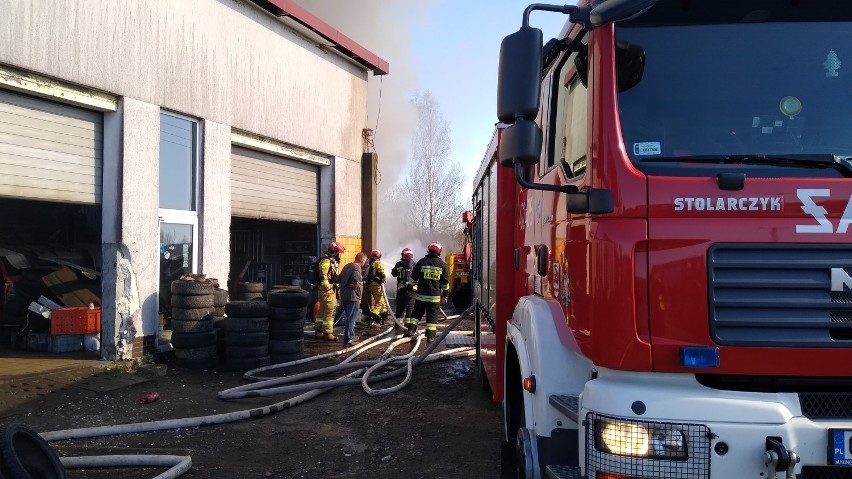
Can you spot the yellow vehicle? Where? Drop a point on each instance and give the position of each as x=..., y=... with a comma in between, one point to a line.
x=459, y=273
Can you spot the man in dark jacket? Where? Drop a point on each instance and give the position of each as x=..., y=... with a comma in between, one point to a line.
x=351, y=291
x=432, y=279
x=404, y=298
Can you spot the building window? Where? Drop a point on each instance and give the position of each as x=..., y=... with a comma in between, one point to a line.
x=179, y=166
x=178, y=162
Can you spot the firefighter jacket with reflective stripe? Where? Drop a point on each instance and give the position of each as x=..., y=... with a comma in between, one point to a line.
x=402, y=272
x=376, y=273
x=328, y=271
x=432, y=279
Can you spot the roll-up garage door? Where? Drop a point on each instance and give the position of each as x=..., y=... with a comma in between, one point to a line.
x=271, y=187
x=49, y=151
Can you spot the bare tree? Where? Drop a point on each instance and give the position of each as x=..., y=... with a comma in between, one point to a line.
x=432, y=187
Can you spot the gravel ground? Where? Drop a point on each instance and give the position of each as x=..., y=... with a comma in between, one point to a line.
x=440, y=425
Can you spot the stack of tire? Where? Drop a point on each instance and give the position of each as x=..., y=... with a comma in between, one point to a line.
x=247, y=291
x=220, y=298
x=193, y=338
x=246, y=335
x=288, y=309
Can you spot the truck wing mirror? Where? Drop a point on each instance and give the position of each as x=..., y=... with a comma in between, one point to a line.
x=520, y=143
x=519, y=75
x=593, y=200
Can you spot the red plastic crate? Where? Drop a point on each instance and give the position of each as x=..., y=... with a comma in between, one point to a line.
x=77, y=320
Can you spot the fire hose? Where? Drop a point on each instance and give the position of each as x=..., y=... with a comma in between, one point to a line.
x=260, y=389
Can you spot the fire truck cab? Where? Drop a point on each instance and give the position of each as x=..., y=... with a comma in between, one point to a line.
x=661, y=260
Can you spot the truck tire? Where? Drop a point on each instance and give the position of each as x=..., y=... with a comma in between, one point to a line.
x=244, y=325
x=283, y=331
x=286, y=347
x=25, y=454
x=182, y=326
x=192, y=314
x=246, y=364
x=246, y=351
x=285, y=358
x=253, y=338
x=205, y=352
x=220, y=297
x=250, y=287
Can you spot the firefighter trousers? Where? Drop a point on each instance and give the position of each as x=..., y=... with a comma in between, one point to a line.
x=404, y=303
x=433, y=315
x=378, y=307
x=324, y=322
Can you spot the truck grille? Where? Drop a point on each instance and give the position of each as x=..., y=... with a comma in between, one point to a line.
x=779, y=295
x=826, y=405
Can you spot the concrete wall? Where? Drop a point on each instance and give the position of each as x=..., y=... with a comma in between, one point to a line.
x=225, y=61
x=215, y=212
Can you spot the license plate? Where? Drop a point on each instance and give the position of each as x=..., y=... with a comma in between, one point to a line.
x=840, y=447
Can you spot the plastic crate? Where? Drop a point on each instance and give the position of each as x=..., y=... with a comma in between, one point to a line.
x=65, y=343
x=37, y=341
x=76, y=320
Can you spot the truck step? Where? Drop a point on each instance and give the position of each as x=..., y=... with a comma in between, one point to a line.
x=459, y=341
x=557, y=471
x=567, y=405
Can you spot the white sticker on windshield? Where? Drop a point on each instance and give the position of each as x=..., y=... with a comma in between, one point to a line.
x=647, y=148
x=831, y=64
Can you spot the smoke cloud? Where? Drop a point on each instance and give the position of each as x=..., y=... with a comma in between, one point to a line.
x=384, y=27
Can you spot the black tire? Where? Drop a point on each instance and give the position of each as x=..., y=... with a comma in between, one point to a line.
x=220, y=297
x=288, y=314
x=247, y=287
x=191, y=287
x=181, y=326
x=208, y=363
x=194, y=314
x=218, y=321
x=193, y=340
x=284, y=358
x=288, y=298
x=286, y=331
x=24, y=454
x=246, y=351
x=205, y=352
x=286, y=347
x=240, y=325
x=254, y=338
x=247, y=297
x=245, y=364
x=247, y=309
x=192, y=301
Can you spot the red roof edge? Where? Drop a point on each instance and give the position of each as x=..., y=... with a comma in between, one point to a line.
x=342, y=43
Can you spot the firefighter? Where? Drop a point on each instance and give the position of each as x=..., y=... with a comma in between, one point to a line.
x=327, y=291
x=404, y=298
x=375, y=283
x=431, y=277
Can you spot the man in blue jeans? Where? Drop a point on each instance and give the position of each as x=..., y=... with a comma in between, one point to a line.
x=351, y=290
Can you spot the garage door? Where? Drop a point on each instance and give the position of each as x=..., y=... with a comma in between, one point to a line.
x=49, y=151
x=270, y=187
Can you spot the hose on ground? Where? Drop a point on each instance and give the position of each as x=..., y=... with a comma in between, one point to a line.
x=178, y=464
x=314, y=389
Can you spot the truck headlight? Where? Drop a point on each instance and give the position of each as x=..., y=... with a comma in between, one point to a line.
x=640, y=439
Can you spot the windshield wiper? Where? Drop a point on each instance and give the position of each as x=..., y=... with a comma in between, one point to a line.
x=813, y=160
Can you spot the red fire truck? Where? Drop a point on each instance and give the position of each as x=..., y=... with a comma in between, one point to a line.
x=662, y=264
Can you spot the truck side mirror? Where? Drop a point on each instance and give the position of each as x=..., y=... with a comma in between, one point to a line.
x=519, y=75
x=521, y=143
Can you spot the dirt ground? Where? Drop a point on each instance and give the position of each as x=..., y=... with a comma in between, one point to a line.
x=442, y=425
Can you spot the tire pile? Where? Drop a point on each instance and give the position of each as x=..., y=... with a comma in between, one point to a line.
x=193, y=338
x=247, y=291
x=288, y=309
x=246, y=335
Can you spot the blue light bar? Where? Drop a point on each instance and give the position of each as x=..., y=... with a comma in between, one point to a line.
x=699, y=357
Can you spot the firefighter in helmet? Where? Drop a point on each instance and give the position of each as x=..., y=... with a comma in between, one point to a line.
x=327, y=291
x=375, y=284
x=404, y=298
x=431, y=277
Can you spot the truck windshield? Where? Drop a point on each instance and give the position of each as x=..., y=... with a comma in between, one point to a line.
x=738, y=81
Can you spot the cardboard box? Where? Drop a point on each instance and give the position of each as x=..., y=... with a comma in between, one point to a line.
x=71, y=288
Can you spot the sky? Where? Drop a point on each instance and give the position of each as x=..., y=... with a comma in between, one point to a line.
x=449, y=47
